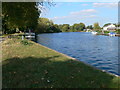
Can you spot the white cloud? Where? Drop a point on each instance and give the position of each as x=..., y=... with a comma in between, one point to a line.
x=84, y=12
x=109, y=5
x=75, y=17
x=88, y=11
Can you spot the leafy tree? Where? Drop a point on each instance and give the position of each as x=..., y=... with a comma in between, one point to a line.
x=89, y=27
x=65, y=27
x=46, y=26
x=71, y=29
x=75, y=27
x=60, y=26
x=21, y=14
x=55, y=28
x=107, y=24
x=43, y=24
x=81, y=26
x=96, y=27
x=78, y=27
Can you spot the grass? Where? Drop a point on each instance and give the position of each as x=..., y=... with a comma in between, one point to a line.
x=34, y=66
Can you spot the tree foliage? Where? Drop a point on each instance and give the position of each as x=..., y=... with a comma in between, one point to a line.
x=107, y=24
x=89, y=27
x=96, y=27
x=78, y=27
x=46, y=26
x=65, y=27
x=21, y=15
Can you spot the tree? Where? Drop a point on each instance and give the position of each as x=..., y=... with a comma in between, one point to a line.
x=43, y=24
x=60, y=27
x=65, y=27
x=78, y=27
x=107, y=24
x=96, y=27
x=20, y=14
x=55, y=28
x=89, y=27
x=81, y=27
x=46, y=26
x=75, y=27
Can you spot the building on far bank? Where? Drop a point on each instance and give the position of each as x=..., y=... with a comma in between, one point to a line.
x=110, y=27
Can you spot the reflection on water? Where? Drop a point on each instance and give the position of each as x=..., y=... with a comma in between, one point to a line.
x=97, y=50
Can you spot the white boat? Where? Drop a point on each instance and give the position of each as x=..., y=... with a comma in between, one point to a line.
x=30, y=36
x=94, y=32
x=29, y=33
x=112, y=34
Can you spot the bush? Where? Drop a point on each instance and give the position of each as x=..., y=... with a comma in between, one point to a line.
x=118, y=31
x=106, y=32
x=26, y=42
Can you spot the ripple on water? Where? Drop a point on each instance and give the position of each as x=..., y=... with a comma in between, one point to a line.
x=105, y=67
x=115, y=72
x=98, y=64
x=69, y=54
x=73, y=56
x=65, y=47
x=93, y=57
x=98, y=60
x=78, y=50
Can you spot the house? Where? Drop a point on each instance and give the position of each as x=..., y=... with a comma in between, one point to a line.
x=110, y=27
x=117, y=27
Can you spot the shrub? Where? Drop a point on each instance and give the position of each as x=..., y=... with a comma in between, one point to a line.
x=26, y=42
x=106, y=32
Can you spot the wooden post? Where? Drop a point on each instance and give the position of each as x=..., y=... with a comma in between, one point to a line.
x=35, y=37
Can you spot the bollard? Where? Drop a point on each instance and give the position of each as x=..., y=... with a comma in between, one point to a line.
x=22, y=37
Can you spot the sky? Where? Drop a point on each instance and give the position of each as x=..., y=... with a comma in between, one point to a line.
x=85, y=12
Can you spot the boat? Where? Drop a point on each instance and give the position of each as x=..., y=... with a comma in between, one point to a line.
x=30, y=35
x=112, y=34
x=94, y=32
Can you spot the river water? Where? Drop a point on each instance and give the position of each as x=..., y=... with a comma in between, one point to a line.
x=97, y=50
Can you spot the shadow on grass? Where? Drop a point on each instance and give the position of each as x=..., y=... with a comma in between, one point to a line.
x=51, y=72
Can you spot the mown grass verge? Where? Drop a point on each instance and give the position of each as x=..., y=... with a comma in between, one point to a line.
x=34, y=66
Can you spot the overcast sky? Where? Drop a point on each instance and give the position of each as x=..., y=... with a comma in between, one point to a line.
x=86, y=12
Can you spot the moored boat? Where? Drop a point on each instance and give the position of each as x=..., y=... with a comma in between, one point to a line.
x=94, y=32
x=112, y=34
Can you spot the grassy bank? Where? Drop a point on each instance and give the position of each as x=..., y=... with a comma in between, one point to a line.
x=30, y=65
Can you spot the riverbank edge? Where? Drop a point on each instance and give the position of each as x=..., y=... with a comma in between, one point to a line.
x=69, y=57
x=118, y=35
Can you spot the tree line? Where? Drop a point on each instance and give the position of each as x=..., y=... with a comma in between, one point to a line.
x=47, y=26
x=24, y=16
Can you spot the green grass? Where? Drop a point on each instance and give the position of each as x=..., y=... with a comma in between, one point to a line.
x=34, y=66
